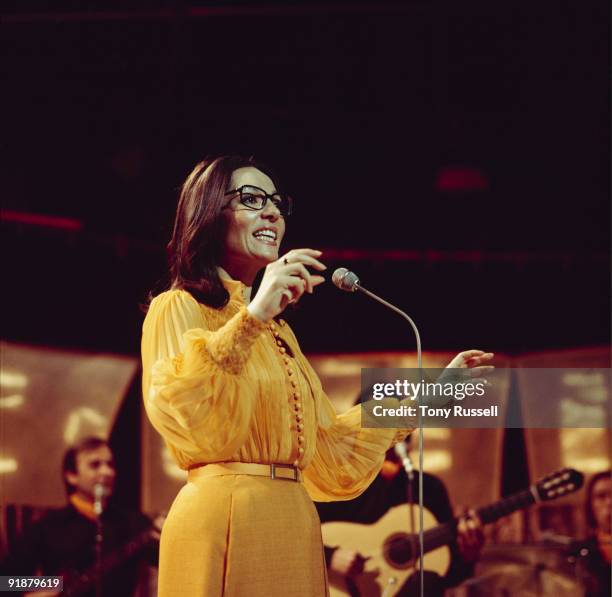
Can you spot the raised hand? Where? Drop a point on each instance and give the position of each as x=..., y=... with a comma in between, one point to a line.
x=285, y=281
x=473, y=359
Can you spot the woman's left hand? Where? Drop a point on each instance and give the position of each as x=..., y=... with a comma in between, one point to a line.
x=473, y=359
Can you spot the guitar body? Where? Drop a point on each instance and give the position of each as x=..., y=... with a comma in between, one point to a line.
x=387, y=546
x=385, y=571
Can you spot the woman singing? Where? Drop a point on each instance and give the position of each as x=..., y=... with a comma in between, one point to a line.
x=239, y=406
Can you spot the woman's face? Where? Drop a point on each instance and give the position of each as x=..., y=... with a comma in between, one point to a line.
x=601, y=503
x=253, y=237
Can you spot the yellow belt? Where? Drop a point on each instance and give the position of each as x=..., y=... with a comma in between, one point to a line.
x=273, y=471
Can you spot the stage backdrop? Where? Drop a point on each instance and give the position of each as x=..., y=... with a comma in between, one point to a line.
x=49, y=399
x=587, y=448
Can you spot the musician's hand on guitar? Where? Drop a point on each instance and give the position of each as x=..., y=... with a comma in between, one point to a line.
x=470, y=537
x=347, y=562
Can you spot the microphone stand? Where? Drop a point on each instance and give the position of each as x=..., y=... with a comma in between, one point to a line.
x=98, y=557
x=98, y=508
x=357, y=286
x=402, y=451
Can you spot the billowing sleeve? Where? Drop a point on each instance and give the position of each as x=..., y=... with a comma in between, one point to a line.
x=347, y=456
x=195, y=390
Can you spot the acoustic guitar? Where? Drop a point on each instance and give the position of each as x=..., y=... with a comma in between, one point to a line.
x=392, y=553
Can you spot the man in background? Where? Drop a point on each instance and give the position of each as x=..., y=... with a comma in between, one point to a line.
x=594, y=552
x=63, y=542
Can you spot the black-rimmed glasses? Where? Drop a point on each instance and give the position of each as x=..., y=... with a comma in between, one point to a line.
x=255, y=198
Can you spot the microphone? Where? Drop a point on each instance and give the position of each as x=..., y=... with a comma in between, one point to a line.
x=346, y=280
x=404, y=456
x=349, y=282
x=100, y=492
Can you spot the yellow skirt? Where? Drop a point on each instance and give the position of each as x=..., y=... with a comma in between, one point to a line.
x=237, y=535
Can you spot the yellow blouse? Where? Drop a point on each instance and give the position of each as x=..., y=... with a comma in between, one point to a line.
x=220, y=386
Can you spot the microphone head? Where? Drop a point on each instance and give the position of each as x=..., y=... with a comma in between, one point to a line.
x=345, y=280
x=100, y=491
x=400, y=450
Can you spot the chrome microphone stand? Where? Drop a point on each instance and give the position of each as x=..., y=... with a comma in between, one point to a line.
x=99, y=493
x=347, y=280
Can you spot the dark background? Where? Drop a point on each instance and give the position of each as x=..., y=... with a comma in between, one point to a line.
x=359, y=107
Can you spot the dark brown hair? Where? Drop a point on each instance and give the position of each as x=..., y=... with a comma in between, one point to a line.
x=198, y=238
x=588, y=505
x=87, y=444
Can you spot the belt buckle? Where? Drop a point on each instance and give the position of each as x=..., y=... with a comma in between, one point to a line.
x=274, y=466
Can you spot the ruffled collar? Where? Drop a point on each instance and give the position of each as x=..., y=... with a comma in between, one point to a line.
x=235, y=288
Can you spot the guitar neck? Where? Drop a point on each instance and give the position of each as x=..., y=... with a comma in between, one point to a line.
x=516, y=501
x=446, y=533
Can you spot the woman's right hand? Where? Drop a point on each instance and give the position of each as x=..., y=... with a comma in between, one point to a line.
x=285, y=281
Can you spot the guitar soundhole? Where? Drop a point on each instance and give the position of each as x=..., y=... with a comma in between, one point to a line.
x=398, y=550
